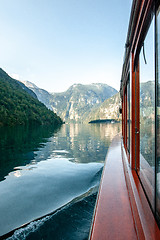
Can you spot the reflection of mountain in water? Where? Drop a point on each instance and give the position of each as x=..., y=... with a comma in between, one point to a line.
x=18, y=145
x=47, y=172
x=85, y=143
x=79, y=143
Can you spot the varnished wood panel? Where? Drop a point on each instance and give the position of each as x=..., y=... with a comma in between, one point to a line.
x=113, y=217
x=122, y=210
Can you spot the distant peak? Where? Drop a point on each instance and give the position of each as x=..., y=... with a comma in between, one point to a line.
x=99, y=84
x=29, y=84
x=76, y=84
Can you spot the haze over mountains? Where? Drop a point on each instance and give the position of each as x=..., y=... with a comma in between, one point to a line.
x=75, y=104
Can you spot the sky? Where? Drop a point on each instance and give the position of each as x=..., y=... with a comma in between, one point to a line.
x=57, y=43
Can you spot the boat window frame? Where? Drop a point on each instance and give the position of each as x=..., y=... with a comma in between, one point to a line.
x=136, y=35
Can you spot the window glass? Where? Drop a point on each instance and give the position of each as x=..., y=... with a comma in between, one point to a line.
x=128, y=116
x=125, y=117
x=130, y=106
x=147, y=115
x=158, y=110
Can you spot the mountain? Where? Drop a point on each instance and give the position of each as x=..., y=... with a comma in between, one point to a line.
x=42, y=95
x=147, y=101
x=20, y=106
x=85, y=103
x=147, y=94
x=27, y=89
x=109, y=109
x=76, y=103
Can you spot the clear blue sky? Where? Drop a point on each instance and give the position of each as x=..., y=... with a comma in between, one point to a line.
x=56, y=43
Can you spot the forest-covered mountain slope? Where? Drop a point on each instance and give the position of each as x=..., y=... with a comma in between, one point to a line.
x=19, y=105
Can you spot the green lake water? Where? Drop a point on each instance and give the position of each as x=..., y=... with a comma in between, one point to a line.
x=49, y=179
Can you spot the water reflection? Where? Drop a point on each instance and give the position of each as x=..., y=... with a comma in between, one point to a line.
x=147, y=142
x=85, y=143
x=78, y=143
x=18, y=145
x=147, y=116
x=40, y=172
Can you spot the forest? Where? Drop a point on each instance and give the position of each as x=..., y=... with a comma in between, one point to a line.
x=19, y=107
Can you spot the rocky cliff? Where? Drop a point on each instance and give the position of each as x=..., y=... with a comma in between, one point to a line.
x=77, y=102
x=109, y=109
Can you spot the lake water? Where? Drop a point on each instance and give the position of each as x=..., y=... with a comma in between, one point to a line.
x=49, y=179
